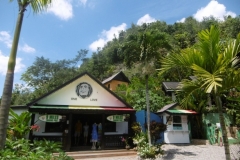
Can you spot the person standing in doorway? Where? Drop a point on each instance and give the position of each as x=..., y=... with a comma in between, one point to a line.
x=85, y=132
x=78, y=131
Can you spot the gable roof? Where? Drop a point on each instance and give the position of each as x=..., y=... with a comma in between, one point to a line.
x=120, y=76
x=45, y=96
x=170, y=86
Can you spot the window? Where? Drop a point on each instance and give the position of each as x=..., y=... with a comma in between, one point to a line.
x=108, y=86
x=54, y=127
x=110, y=126
x=177, y=123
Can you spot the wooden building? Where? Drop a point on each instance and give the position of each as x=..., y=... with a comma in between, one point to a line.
x=87, y=100
x=114, y=81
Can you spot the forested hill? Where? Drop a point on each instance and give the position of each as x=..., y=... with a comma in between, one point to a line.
x=117, y=53
x=135, y=51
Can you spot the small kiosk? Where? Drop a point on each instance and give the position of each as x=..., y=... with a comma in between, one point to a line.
x=178, y=126
x=84, y=101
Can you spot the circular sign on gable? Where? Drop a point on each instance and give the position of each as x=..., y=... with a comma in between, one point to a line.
x=84, y=90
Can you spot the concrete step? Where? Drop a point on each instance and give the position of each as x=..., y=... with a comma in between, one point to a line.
x=77, y=155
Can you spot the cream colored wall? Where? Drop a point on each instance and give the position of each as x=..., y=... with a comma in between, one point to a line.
x=67, y=96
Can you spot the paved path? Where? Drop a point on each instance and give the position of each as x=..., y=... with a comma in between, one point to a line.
x=188, y=152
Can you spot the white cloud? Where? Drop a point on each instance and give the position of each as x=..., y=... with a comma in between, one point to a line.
x=181, y=20
x=146, y=19
x=5, y=37
x=62, y=9
x=107, y=36
x=4, y=62
x=214, y=9
x=26, y=48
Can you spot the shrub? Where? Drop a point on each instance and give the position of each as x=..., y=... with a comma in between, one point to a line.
x=22, y=149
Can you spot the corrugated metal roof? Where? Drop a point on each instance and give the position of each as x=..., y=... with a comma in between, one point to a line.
x=181, y=111
x=174, y=108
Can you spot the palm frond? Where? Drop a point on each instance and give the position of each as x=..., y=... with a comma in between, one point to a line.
x=211, y=81
x=39, y=5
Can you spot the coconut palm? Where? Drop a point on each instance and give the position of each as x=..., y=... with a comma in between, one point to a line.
x=213, y=63
x=37, y=6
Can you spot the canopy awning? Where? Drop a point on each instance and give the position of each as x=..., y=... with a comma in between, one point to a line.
x=180, y=111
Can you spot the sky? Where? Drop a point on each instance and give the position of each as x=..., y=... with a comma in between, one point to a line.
x=68, y=26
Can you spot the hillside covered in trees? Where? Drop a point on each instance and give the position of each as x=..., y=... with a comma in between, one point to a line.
x=137, y=52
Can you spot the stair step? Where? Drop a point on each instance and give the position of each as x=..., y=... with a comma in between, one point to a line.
x=103, y=153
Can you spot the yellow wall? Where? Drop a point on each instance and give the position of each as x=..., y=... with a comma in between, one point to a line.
x=114, y=84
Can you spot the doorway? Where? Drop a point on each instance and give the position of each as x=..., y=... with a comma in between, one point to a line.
x=79, y=141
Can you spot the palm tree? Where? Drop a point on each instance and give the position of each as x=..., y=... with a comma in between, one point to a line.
x=37, y=6
x=213, y=64
x=145, y=49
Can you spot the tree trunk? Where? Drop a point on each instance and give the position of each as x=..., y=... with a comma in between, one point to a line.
x=223, y=128
x=148, y=112
x=8, y=84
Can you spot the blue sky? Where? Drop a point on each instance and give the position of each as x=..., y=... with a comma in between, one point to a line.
x=70, y=25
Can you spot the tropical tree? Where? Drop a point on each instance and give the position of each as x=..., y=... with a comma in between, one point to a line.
x=143, y=50
x=135, y=94
x=214, y=65
x=43, y=75
x=37, y=6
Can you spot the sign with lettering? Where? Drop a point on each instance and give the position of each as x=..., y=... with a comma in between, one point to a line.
x=53, y=118
x=116, y=118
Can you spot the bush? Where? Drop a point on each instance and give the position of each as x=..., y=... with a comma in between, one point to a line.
x=146, y=151
x=143, y=148
x=22, y=149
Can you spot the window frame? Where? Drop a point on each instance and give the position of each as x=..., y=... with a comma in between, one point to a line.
x=177, y=124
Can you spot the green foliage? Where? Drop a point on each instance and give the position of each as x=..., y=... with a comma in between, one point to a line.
x=22, y=149
x=156, y=128
x=44, y=75
x=152, y=152
x=232, y=103
x=18, y=124
x=17, y=147
x=139, y=139
x=136, y=127
x=135, y=94
x=49, y=146
x=126, y=50
x=214, y=65
x=21, y=95
x=144, y=150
